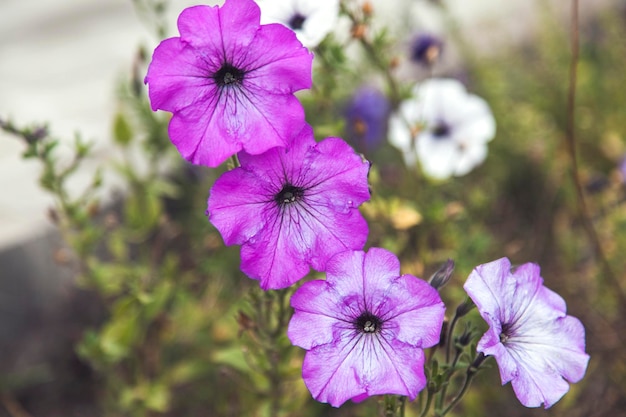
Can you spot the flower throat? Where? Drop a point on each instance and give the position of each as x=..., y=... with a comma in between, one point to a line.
x=228, y=76
x=289, y=194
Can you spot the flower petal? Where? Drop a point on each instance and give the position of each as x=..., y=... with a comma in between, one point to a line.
x=280, y=63
x=316, y=313
x=361, y=366
x=228, y=29
x=177, y=77
x=235, y=201
x=536, y=345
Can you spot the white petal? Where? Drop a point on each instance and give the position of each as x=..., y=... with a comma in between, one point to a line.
x=320, y=17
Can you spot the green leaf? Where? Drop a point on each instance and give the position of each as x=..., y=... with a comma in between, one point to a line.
x=122, y=131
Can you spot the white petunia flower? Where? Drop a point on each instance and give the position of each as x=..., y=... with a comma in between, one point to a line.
x=445, y=127
x=312, y=20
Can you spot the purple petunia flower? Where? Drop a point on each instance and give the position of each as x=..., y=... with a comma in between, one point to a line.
x=365, y=328
x=537, y=346
x=366, y=116
x=229, y=82
x=292, y=208
x=426, y=49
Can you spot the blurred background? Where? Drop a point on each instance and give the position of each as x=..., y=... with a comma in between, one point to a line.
x=71, y=65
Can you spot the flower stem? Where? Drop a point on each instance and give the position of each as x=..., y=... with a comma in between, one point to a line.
x=429, y=400
x=394, y=405
x=379, y=61
x=469, y=376
x=585, y=214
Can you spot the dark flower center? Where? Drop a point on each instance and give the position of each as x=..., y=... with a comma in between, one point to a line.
x=505, y=334
x=228, y=76
x=441, y=130
x=359, y=126
x=297, y=21
x=289, y=194
x=368, y=323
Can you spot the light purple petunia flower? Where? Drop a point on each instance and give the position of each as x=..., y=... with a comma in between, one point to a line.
x=229, y=82
x=537, y=346
x=292, y=208
x=365, y=328
x=366, y=117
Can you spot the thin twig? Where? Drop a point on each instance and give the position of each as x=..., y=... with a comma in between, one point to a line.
x=585, y=214
x=14, y=408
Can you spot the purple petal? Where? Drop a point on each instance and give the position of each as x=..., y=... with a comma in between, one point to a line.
x=417, y=311
x=272, y=258
x=316, y=312
x=177, y=77
x=287, y=239
x=236, y=200
x=356, y=367
x=211, y=122
x=536, y=345
x=283, y=66
x=228, y=29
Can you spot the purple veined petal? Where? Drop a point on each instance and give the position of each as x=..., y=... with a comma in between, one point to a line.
x=273, y=258
x=344, y=273
x=229, y=82
x=281, y=68
x=199, y=26
x=192, y=131
x=281, y=163
x=228, y=29
x=177, y=78
x=354, y=349
x=335, y=231
x=301, y=228
x=537, y=346
x=487, y=280
x=315, y=315
x=355, y=367
x=548, y=363
x=275, y=118
x=236, y=199
x=416, y=307
x=343, y=188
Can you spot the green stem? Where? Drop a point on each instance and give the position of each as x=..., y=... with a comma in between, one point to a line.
x=469, y=376
x=394, y=405
x=376, y=59
x=429, y=400
x=585, y=214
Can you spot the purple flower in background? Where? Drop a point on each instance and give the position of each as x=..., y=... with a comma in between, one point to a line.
x=537, y=346
x=292, y=208
x=229, y=82
x=426, y=49
x=444, y=126
x=365, y=328
x=366, y=116
x=621, y=167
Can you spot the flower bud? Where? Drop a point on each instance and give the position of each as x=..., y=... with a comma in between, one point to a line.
x=443, y=275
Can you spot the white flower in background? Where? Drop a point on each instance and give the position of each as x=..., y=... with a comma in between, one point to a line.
x=312, y=20
x=444, y=126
